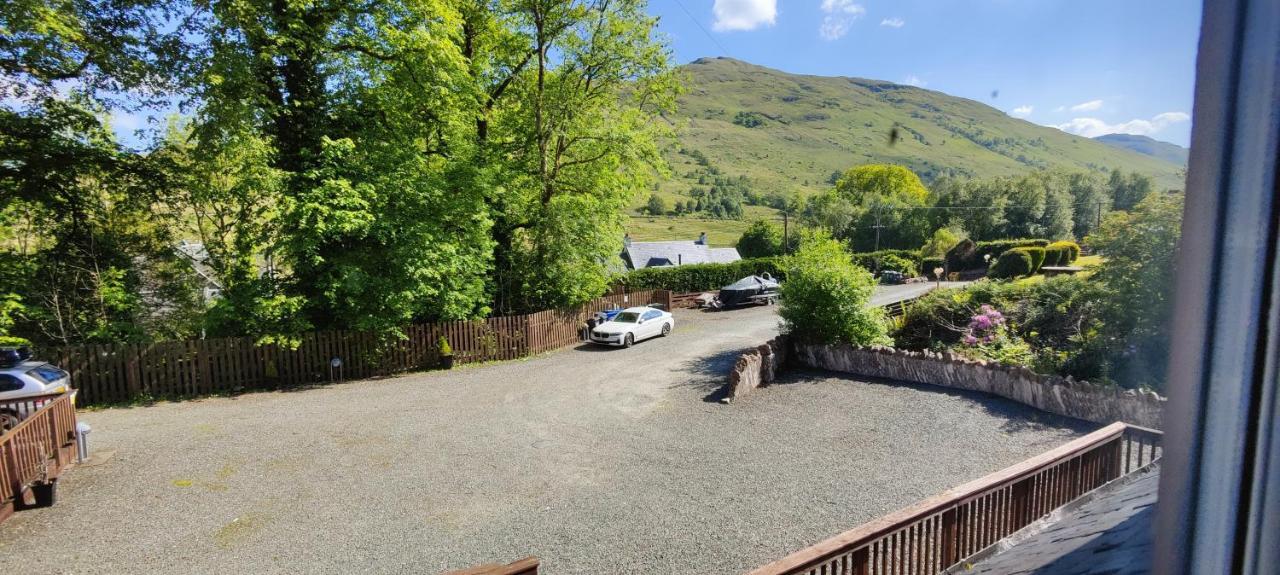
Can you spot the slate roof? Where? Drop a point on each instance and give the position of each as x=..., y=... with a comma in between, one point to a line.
x=642, y=255
x=1107, y=532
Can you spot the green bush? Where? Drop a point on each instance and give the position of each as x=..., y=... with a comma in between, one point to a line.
x=1037, y=257
x=825, y=297
x=698, y=277
x=761, y=240
x=905, y=261
x=968, y=255
x=1069, y=252
x=1054, y=256
x=1013, y=263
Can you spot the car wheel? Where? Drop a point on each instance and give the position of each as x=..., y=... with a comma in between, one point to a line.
x=8, y=420
x=628, y=341
x=666, y=329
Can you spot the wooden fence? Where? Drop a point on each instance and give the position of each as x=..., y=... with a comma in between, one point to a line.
x=37, y=449
x=932, y=535
x=104, y=373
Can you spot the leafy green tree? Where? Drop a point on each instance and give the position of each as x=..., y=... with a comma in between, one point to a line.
x=656, y=206
x=1128, y=190
x=1089, y=201
x=942, y=240
x=762, y=239
x=825, y=297
x=1139, y=250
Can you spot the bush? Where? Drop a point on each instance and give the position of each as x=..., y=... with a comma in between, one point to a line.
x=968, y=255
x=1013, y=263
x=1037, y=257
x=825, y=296
x=762, y=239
x=1068, y=252
x=699, y=277
x=1054, y=256
x=905, y=261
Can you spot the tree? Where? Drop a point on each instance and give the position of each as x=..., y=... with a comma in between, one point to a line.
x=1089, y=200
x=884, y=197
x=1137, y=273
x=1127, y=191
x=762, y=239
x=656, y=206
x=825, y=296
x=942, y=240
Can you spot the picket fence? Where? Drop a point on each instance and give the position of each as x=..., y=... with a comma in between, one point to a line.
x=109, y=373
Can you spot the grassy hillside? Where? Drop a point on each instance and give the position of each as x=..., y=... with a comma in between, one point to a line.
x=788, y=133
x=806, y=127
x=1172, y=153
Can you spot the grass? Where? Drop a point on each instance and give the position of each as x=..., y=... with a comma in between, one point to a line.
x=723, y=233
x=1086, y=262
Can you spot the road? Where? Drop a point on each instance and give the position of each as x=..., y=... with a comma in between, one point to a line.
x=597, y=460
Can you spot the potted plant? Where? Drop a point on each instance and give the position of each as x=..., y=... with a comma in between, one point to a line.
x=446, y=353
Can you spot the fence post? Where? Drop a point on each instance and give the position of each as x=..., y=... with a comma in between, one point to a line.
x=950, y=537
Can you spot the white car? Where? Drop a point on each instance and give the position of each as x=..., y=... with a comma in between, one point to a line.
x=632, y=325
x=21, y=379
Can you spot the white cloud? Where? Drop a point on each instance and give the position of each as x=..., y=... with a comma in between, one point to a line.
x=1060, y=109
x=1089, y=106
x=1093, y=127
x=914, y=80
x=840, y=16
x=744, y=14
x=893, y=22
x=1021, y=111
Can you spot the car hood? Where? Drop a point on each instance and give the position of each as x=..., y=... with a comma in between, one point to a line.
x=615, y=327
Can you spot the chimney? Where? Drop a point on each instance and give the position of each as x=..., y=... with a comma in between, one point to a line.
x=702, y=239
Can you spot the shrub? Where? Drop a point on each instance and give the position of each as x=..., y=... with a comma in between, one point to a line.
x=967, y=255
x=698, y=277
x=905, y=261
x=1037, y=257
x=1054, y=256
x=445, y=348
x=1069, y=252
x=1013, y=263
x=762, y=239
x=825, y=296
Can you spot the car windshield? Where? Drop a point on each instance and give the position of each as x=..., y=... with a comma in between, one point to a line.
x=626, y=317
x=47, y=373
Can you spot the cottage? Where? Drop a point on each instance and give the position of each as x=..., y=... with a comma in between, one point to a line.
x=640, y=255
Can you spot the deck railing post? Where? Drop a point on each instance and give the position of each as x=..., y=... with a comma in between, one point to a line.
x=950, y=536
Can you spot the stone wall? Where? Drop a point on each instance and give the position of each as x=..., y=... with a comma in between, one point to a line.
x=1063, y=396
x=757, y=367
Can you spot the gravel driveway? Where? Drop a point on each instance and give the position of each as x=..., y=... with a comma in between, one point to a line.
x=596, y=460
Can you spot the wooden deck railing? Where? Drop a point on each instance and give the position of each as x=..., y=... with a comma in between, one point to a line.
x=939, y=532
x=37, y=449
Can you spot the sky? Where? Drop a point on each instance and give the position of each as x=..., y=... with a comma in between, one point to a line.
x=1088, y=67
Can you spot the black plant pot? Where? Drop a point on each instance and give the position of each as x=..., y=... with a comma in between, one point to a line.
x=446, y=361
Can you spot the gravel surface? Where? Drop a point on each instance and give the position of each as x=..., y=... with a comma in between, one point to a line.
x=596, y=460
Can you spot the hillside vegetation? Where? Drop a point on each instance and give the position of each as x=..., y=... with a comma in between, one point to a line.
x=790, y=133
x=1143, y=145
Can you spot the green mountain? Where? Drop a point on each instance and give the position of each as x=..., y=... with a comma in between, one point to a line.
x=1172, y=153
x=776, y=133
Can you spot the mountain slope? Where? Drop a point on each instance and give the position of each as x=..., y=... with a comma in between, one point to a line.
x=1172, y=153
x=788, y=132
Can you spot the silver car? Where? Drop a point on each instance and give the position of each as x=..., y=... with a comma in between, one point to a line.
x=21, y=379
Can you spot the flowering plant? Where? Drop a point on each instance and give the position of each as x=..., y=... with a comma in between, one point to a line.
x=988, y=337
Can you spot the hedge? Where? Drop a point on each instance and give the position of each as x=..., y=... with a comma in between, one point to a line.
x=905, y=261
x=968, y=255
x=1013, y=263
x=1037, y=257
x=1061, y=253
x=699, y=277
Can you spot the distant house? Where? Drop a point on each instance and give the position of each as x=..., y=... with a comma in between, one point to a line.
x=640, y=255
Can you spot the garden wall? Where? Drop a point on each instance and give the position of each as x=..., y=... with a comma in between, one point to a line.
x=1062, y=396
x=757, y=367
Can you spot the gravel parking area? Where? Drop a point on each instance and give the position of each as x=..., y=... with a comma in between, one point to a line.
x=596, y=460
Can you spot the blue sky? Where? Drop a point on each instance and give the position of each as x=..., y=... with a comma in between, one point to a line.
x=1085, y=66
